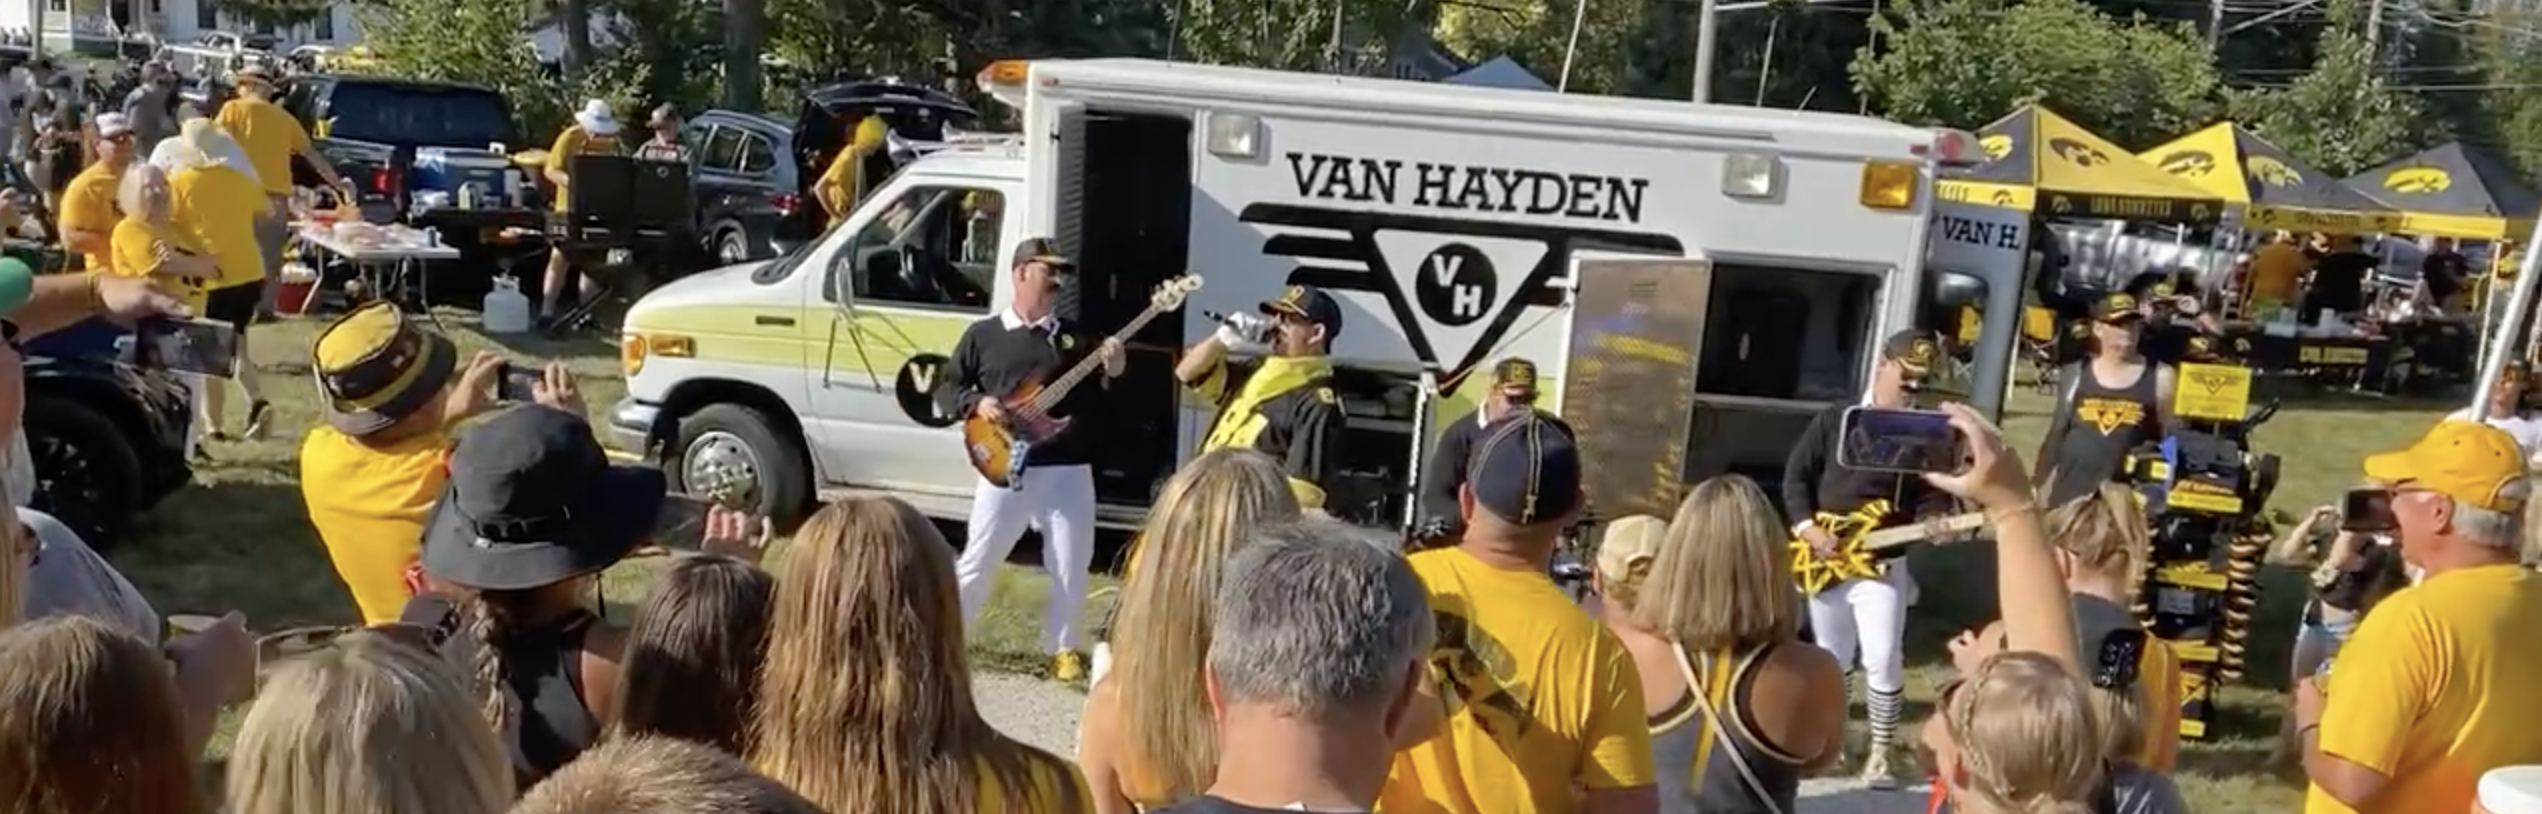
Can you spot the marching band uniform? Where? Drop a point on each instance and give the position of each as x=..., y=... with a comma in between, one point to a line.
x=1867, y=616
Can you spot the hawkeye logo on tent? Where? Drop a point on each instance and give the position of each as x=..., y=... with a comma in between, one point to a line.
x=2270, y=171
x=1455, y=286
x=2083, y=155
x=2188, y=163
x=1996, y=145
x=2418, y=181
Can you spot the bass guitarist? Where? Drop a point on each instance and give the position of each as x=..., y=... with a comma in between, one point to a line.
x=1285, y=407
x=996, y=358
x=1866, y=615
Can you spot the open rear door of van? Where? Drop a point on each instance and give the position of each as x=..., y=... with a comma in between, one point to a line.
x=1628, y=377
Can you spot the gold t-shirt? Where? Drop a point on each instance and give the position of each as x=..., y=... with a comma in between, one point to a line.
x=369, y=504
x=2436, y=687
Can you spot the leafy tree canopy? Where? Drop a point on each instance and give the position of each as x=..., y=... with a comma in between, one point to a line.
x=1963, y=63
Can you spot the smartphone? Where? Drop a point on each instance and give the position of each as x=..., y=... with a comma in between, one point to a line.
x=2367, y=510
x=1873, y=439
x=519, y=384
x=198, y=346
x=682, y=524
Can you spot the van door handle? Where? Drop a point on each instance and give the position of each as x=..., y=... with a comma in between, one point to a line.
x=782, y=322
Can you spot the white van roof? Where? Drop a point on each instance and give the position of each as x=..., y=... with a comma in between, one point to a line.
x=1185, y=84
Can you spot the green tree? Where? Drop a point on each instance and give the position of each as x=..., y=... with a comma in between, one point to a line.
x=1964, y=63
x=484, y=43
x=2340, y=117
x=1297, y=35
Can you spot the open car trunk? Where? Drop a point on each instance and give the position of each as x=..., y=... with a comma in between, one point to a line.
x=826, y=120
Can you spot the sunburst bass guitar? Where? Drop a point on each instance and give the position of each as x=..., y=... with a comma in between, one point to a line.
x=997, y=448
x=1860, y=548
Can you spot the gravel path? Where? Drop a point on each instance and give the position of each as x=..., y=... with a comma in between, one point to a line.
x=1044, y=714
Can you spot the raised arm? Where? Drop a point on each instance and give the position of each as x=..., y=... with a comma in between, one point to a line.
x=2038, y=612
x=2296, y=547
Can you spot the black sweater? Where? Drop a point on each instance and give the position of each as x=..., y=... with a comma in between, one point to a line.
x=993, y=360
x=1813, y=482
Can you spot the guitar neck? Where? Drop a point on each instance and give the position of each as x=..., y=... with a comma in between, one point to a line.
x=1904, y=535
x=1059, y=387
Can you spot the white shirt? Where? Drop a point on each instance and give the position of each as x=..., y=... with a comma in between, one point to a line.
x=1049, y=323
x=2527, y=431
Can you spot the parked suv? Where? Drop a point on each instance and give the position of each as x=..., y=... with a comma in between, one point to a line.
x=746, y=190
x=108, y=440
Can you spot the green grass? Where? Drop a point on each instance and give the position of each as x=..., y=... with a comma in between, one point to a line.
x=239, y=539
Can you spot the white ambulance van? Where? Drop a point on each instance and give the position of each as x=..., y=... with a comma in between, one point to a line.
x=1448, y=220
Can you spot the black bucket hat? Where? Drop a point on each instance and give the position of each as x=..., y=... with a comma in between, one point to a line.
x=533, y=501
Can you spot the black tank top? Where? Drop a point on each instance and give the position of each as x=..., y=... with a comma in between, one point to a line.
x=542, y=671
x=1694, y=777
x=2102, y=425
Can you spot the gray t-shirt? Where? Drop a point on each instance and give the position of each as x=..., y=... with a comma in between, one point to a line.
x=2144, y=791
x=69, y=578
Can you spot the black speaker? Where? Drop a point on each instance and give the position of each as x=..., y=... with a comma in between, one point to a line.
x=620, y=193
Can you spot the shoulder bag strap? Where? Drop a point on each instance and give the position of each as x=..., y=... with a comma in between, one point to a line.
x=1720, y=729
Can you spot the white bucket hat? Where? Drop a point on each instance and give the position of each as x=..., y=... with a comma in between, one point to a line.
x=596, y=119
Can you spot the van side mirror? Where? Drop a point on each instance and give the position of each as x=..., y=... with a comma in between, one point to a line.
x=1956, y=289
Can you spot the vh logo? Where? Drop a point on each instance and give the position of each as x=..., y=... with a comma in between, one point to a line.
x=1456, y=285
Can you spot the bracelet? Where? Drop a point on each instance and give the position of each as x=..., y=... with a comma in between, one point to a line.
x=96, y=293
x=1998, y=515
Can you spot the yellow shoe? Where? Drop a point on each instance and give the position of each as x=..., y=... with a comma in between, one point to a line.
x=1068, y=665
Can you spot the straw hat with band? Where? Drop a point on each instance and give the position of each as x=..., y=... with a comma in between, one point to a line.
x=533, y=501
x=375, y=368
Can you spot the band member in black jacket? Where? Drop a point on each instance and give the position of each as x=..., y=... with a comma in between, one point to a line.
x=1868, y=615
x=993, y=361
x=1284, y=405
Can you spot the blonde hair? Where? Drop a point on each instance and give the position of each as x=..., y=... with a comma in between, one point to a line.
x=865, y=698
x=1723, y=580
x=2026, y=739
x=132, y=195
x=90, y=722
x=2107, y=533
x=1208, y=510
x=14, y=540
x=367, y=725
x=659, y=775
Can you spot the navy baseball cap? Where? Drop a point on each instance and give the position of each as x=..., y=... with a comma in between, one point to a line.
x=1526, y=471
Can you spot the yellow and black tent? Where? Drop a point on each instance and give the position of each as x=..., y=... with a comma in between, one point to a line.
x=2454, y=191
x=2040, y=161
x=2275, y=189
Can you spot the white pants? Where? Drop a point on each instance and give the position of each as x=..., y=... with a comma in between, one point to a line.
x=1057, y=501
x=1868, y=615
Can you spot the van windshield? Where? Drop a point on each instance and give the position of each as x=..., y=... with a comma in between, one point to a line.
x=419, y=115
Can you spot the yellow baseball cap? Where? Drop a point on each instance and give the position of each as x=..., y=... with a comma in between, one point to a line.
x=1630, y=541
x=2465, y=460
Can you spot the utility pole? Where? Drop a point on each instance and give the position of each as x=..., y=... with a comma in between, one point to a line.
x=2215, y=26
x=1706, y=40
x=2374, y=35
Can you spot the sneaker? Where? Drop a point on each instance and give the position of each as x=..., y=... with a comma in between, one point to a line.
x=1876, y=769
x=1068, y=666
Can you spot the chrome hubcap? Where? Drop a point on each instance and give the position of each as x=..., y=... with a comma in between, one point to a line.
x=718, y=457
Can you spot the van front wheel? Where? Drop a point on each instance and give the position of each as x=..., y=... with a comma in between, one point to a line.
x=725, y=441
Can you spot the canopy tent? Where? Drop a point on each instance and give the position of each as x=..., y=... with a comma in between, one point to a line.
x=1499, y=72
x=2454, y=191
x=2040, y=161
x=2276, y=190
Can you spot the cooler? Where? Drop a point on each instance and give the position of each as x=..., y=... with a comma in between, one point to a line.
x=445, y=169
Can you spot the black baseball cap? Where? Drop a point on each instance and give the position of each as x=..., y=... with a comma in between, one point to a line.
x=1044, y=251
x=1515, y=376
x=1914, y=349
x=2117, y=307
x=1311, y=304
x=1527, y=471
x=533, y=501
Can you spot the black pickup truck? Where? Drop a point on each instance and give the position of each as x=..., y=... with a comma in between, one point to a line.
x=373, y=128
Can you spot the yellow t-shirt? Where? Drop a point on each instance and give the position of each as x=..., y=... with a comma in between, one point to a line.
x=369, y=504
x=1540, y=698
x=2277, y=269
x=845, y=172
x=269, y=135
x=2436, y=687
x=571, y=143
x=1050, y=789
x=221, y=205
x=88, y=204
x=134, y=247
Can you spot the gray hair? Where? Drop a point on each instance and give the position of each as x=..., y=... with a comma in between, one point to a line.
x=2494, y=529
x=131, y=197
x=1318, y=619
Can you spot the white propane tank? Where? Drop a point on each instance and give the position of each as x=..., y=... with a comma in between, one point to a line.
x=507, y=310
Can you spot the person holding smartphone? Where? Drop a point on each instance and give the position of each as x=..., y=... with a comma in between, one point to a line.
x=1867, y=616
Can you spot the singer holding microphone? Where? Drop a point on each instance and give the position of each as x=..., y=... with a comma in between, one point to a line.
x=1284, y=406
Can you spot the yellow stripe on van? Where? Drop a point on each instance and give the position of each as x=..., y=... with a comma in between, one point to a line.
x=874, y=341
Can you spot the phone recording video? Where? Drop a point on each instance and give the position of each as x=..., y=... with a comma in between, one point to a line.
x=2367, y=510
x=519, y=384
x=682, y=524
x=1872, y=439
x=199, y=346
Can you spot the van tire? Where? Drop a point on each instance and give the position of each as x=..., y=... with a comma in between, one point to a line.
x=783, y=469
